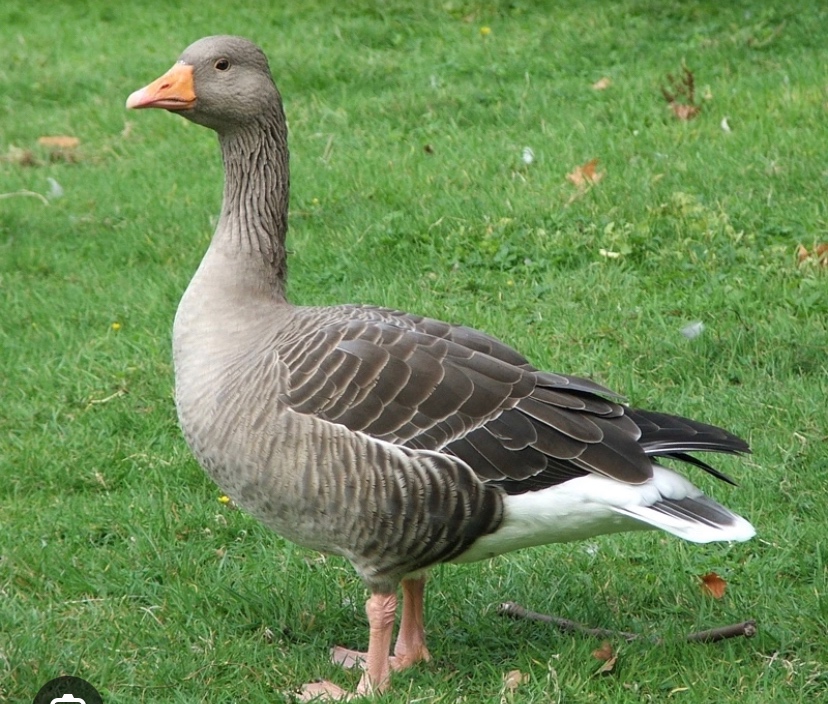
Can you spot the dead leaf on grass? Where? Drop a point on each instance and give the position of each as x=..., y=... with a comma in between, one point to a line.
x=586, y=174
x=513, y=679
x=681, y=95
x=607, y=654
x=817, y=255
x=58, y=141
x=61, y=148
x=684, y=112
x=602, y=83
x=713, y=585
x=604, y=652
x=607, y=667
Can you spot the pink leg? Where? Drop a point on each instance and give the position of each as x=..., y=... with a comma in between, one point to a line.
x=381, y=610
x=411, y=646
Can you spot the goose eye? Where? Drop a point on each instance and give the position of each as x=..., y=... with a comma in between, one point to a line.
x=222, y=64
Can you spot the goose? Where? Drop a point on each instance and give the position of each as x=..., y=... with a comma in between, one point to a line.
x=396, y=441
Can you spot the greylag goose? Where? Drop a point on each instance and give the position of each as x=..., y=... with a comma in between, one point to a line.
x=396, y=441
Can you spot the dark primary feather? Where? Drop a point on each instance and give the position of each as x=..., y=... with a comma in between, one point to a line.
x=662, y=433
x=425, y=384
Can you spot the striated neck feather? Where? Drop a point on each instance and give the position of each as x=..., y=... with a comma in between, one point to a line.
x=254, y=213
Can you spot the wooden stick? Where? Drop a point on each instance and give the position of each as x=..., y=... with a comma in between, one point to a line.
x=510, y=608
x=746, y=629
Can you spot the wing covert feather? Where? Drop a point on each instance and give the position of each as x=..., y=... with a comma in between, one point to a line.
x=432, y=386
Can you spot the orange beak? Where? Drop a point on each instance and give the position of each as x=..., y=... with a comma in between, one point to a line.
x=173, y=91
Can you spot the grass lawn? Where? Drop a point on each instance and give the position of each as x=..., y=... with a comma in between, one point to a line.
x=408, y=125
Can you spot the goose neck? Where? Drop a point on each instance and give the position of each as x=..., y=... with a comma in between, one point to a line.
x=254, y=214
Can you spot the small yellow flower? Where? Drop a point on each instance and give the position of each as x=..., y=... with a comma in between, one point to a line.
x=485, y=31
x=116, y=326
x=224, y=499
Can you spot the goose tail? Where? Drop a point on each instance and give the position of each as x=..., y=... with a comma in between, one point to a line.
x=684, y=511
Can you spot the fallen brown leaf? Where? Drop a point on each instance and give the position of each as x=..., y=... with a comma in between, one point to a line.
x=608, y=666
x=59, y=142
x=713, y=585
x=602, y=84
x=586, y=174
x=684, y=112
x=604, y=652
x=818, y=255
x=681, y=95
x=513, y=679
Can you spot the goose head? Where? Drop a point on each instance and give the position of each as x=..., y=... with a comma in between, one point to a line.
x=220, y=82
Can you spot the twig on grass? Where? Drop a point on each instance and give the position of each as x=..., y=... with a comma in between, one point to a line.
x=107, y=399
x=734, y=630
x=28, y=194
x=746, y=629
x=510, y=608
